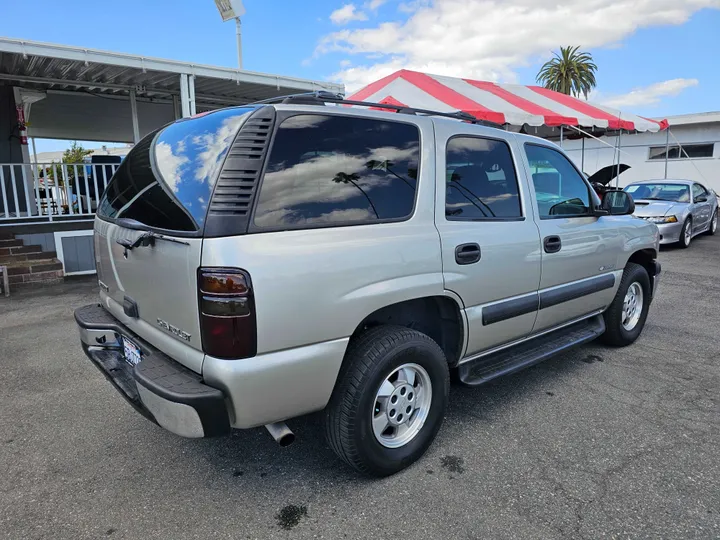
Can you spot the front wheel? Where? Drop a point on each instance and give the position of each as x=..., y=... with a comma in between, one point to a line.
x=625, y=318
x=389, y=401
x=686, y=233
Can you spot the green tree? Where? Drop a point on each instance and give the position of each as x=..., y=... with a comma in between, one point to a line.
x=571, y=72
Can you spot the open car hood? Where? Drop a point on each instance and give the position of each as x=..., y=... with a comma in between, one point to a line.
x=607, y=174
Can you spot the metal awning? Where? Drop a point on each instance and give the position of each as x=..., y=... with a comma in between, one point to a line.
x=148, y=92
x=61, y=67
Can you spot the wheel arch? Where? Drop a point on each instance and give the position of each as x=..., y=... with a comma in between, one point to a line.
x=440, y=317
x=647, y=258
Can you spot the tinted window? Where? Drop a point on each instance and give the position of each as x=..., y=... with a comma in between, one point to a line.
x=187, y=156
x=661, y=192
x=559, y=188
x=698, y=191
x=326, y=170
x=480, y=180
x=684, y=151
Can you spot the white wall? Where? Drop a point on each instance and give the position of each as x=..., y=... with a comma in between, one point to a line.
x=635, y=150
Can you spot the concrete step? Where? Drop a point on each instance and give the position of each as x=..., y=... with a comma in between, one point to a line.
x=42, y=279
x=19, y=250
x=35, y=278
x=10, y=242
x=32, y=267
x=42, y=255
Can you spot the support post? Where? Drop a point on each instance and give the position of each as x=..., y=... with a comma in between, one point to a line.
x=619, y=145
x=561, y=136
x=134, y=113
x=667, y=149
x=238, y=32
x=191, y=94
x=582, y=159
x=184, y=96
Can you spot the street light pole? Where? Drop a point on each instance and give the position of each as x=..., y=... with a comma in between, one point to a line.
x=238, y=31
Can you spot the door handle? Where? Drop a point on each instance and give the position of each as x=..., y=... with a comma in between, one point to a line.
x=552, y=244
x=467, y=253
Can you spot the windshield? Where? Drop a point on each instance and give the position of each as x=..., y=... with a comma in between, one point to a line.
x=660, y=192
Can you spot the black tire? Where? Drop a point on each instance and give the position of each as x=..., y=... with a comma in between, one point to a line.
x=615, y=333
x=371, y=357
x=711, y=231
x=682, y=242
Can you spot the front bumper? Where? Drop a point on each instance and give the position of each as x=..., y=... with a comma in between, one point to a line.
x=670, y=232
x=157, y=387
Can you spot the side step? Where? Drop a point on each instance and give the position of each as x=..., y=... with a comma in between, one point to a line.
x=483, y=369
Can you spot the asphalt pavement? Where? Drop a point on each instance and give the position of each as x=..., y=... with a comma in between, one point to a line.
x=596, y=443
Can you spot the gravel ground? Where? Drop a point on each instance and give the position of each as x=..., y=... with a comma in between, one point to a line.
x=596, y=443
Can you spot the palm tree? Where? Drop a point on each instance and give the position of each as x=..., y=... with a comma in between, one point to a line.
x=571, y=72
x=352, y=178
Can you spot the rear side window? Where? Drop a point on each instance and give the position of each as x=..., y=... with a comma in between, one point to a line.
x=480, y=180
x=166, y=181
x=338, y=170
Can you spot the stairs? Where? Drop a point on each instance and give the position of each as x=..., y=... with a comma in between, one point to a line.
x=28, y=267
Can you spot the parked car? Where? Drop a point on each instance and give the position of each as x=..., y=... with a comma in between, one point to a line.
x=681, y=209
x=263, y=262
x=601, y=180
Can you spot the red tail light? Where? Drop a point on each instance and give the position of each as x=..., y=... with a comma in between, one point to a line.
x=227, y=313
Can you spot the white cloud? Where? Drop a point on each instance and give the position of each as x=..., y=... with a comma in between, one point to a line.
x=374, y=4
x=169, y=163
x=346, y=14
x=647, y=95
x=489, y=39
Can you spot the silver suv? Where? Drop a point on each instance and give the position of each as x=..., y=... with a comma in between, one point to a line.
x=259, y=263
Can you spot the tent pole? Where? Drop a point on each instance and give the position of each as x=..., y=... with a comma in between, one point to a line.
x=582, y=164
x=561, y=136
x=619, y=142
x=667, y=149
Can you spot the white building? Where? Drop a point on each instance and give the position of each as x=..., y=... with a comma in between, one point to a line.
x=693, y=150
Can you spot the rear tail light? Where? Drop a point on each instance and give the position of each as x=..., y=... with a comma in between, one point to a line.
x=227, y=313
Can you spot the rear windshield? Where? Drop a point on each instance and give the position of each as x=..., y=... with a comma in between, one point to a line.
x=187, y=156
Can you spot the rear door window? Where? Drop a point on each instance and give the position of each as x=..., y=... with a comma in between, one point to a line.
x=480, y=180
x=166, y=181
x=338, y=170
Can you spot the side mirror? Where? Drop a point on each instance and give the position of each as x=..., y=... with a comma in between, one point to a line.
x=617, y=203
x=701, y=198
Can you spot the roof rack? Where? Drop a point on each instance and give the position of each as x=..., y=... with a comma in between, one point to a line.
x=321, y=97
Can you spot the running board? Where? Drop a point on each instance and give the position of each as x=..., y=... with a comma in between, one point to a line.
x=483, y=369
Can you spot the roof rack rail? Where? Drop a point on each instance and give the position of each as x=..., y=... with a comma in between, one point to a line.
x=321, y=97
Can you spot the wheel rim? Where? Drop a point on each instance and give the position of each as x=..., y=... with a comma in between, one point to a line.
x=688, y=232
x=401, y=405
x=713, y=226
x=632, y=306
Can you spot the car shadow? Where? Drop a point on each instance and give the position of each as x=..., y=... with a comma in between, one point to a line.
x=248, y=455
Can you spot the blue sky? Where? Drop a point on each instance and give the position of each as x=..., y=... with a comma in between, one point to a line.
x=655, y=58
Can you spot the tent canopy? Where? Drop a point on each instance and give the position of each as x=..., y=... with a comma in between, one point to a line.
x=512, y=104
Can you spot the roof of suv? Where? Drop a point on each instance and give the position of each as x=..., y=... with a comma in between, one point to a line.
x=399, y=116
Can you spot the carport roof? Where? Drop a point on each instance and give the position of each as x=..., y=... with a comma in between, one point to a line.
x=46, y=66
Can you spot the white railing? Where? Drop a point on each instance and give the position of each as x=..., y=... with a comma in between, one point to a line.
x=46, y=191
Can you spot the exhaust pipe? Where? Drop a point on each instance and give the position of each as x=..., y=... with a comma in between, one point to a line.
x=281, y=433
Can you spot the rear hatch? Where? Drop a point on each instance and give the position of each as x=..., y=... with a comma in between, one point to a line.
x=148, y=233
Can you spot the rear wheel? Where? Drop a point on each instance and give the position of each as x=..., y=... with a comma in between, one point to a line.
x=389, y=401
x=686, y=233
x=713, y=224
x=625, y=318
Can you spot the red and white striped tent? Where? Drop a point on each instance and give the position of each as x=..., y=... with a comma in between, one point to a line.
x=512, y=104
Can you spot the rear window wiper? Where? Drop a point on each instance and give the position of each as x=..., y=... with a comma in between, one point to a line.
x=146, y=239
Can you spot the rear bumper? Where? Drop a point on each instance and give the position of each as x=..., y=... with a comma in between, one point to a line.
x=157, y=387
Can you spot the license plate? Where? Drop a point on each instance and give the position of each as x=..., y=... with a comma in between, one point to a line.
x=132, y=352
